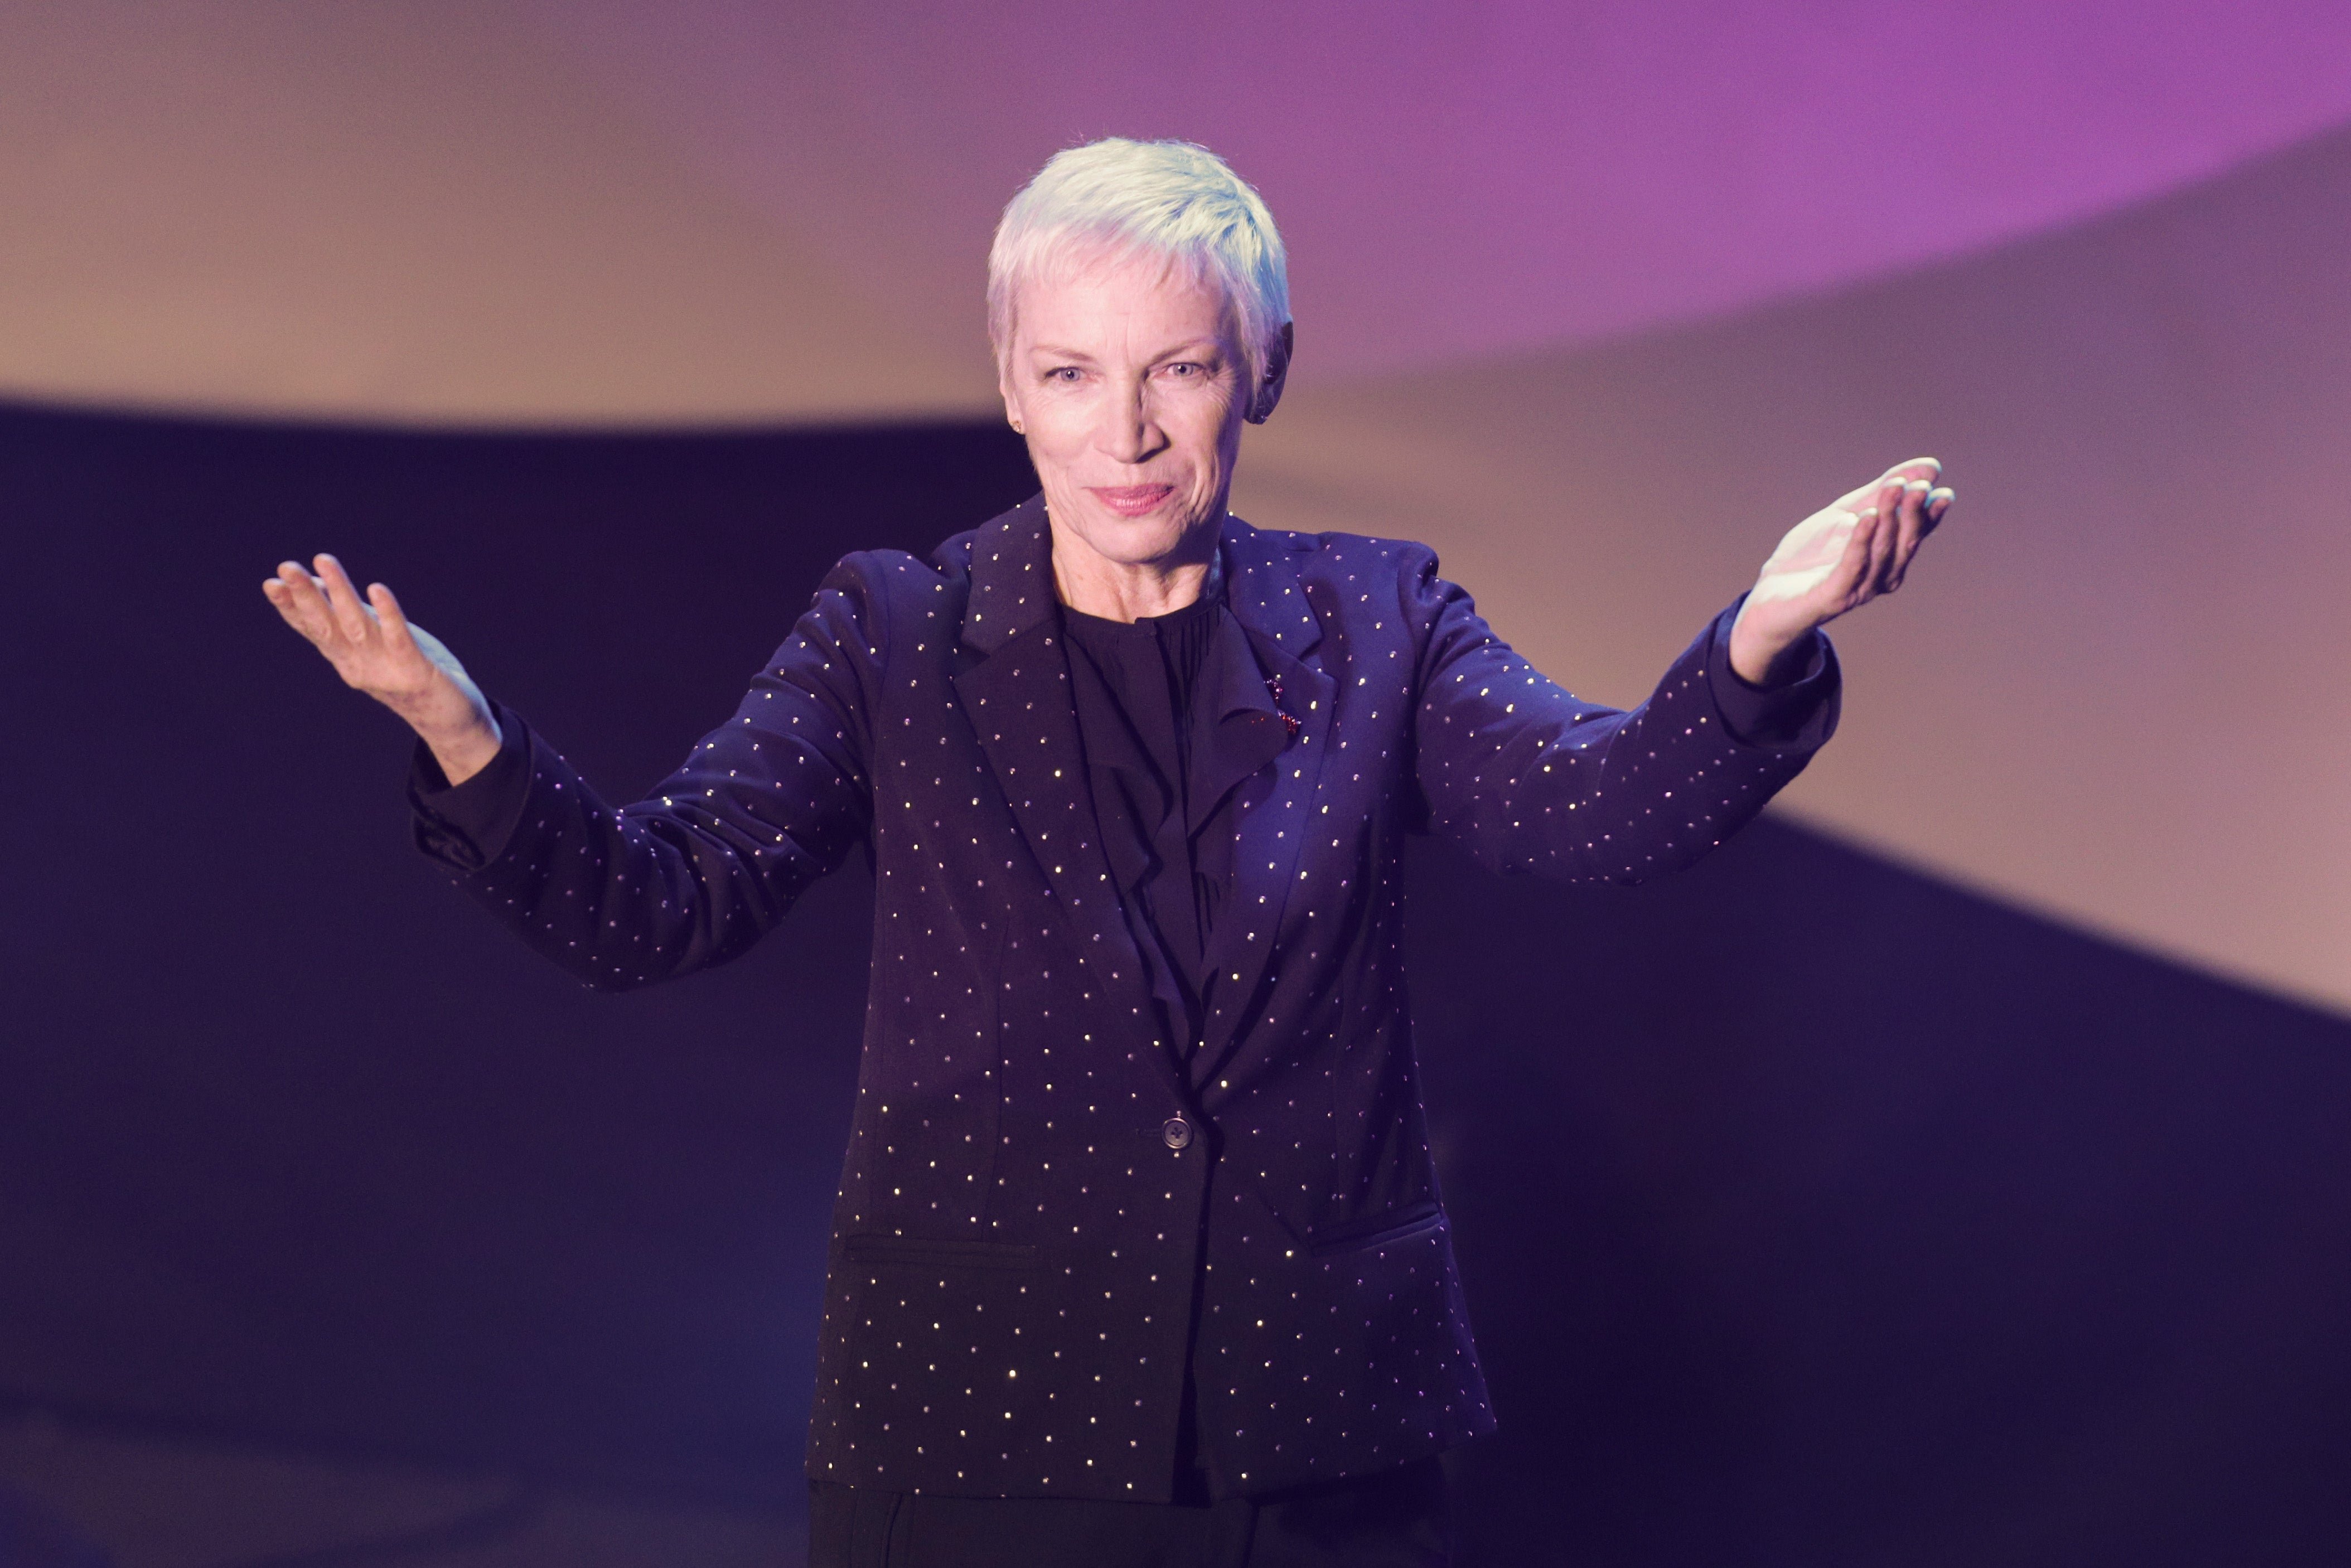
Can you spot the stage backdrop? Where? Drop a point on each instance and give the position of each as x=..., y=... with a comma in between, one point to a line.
x=1812, y=1211
x=1597, y=298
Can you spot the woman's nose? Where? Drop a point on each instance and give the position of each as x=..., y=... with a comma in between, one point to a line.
x=1129, y=430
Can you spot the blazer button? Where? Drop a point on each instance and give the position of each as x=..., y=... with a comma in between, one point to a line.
x=1177, y=1132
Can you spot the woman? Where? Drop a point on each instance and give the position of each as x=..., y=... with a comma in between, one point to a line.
x=1137, y=1256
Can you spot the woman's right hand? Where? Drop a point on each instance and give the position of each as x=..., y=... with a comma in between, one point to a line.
x=375, y=650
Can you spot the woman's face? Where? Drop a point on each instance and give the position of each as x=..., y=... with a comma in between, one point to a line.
x=1125, y=377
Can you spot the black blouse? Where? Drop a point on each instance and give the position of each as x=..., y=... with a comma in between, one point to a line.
x=1174, y=712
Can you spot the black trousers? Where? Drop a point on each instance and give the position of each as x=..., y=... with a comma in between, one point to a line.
x=1395, y=1519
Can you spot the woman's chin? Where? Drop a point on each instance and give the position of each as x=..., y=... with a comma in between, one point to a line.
x=1140, y=541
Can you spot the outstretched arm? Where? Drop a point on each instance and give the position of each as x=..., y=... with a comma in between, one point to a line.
x=372, y=646
x=623, y=896
x=1530, y=777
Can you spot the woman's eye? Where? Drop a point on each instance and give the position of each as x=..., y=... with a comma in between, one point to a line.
x=1063, y=374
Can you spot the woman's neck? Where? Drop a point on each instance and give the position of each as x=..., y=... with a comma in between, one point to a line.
x=1118, y=590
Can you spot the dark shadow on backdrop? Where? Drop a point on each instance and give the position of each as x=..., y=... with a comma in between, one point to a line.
x=1812, y=1211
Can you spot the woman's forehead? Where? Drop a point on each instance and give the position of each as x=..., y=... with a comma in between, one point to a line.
x=1095, y=286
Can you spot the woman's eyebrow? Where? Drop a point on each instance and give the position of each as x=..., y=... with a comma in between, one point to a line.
x=1189, y=346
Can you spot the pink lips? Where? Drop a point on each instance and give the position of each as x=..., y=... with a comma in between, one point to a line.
x=1131, y=500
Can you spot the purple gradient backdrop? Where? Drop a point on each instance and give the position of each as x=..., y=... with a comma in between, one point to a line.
x=1469, y=178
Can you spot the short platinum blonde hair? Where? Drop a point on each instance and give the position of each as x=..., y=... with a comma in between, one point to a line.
x=1170, y=199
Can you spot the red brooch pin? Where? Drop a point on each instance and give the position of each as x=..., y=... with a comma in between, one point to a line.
x=1273, y=685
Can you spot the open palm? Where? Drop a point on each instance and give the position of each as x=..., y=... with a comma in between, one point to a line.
x=375, y=650
x=1849, y=552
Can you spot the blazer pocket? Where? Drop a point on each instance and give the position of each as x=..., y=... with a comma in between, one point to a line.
x=919, y=1251
x=1410, y=1223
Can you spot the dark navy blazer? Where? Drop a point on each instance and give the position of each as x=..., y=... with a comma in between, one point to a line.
x=1044, y=1206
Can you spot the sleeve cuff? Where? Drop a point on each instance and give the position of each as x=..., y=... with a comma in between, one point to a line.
x=466, y=826
x=1799, y=715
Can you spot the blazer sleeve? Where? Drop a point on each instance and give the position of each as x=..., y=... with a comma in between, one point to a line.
x=717, y=853
x=1532, y=778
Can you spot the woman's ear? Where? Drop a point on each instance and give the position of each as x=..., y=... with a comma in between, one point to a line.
x=1004, y=391
x=1268, y=391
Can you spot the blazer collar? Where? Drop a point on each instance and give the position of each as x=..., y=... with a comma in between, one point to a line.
x=1011, y=576
x=1262, y=588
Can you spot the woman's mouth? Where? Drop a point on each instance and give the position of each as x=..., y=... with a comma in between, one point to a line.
x=1131, y=500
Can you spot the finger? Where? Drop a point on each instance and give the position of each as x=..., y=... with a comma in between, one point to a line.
x=281, y=599
x=299, y=600
x=1881, y=547
x=1911, y=525
x=396, y=629
x=350, y=616
x=1903, y=474
x=1852, y=565
x=1882, y=536
x=1931, y=513
x=1858, y=498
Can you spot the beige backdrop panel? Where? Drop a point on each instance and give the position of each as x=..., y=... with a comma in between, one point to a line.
x=2114, y=688
x=412, y=212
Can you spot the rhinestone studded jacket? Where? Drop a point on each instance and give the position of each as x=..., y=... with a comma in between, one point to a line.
x=1045, y=1209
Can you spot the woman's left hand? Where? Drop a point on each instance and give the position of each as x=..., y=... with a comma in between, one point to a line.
x=1837, y=559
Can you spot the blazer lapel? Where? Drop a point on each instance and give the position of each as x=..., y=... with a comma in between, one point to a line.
x=1271, y=817
x=1018, y=699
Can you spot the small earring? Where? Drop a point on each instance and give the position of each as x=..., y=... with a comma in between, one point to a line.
x=1018, y=428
